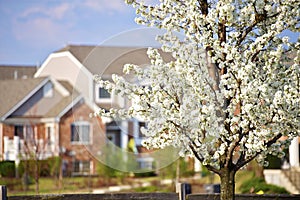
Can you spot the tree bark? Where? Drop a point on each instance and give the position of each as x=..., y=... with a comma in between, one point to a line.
x=37, y=176
x=227, y=184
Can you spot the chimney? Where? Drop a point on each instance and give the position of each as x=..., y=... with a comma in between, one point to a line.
x=15, y=74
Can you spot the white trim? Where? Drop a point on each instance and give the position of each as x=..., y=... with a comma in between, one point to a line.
x=63, y=91
x=85, y=70
x=13, y=109
x=25, y=120
x=294, y=152
x=75, y=61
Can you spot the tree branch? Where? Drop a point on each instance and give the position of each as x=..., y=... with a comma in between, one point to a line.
x=259, y=17
x=241, y=162
x=203, y=7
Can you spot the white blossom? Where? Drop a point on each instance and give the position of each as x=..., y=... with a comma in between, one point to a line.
x=245, y=101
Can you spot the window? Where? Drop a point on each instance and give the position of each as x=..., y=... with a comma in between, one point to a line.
x=144, y=125
x=114, y=136
x=80, y=132
x=81, y=167
x=27, y=132
x=103, y=93
x=19, y=131
x=145, y=163
x=113, y=133
x=48, y=90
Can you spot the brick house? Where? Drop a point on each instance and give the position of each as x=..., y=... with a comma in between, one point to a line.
x=48, y=115
x=79, y=63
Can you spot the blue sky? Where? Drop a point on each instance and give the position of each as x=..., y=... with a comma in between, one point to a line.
x=32, y=29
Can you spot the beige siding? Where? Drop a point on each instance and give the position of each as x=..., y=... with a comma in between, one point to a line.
x=66, y=67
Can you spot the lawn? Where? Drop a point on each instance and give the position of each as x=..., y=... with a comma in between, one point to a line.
x=88, y=184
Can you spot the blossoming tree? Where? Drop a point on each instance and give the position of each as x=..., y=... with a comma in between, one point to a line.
x=232, y=91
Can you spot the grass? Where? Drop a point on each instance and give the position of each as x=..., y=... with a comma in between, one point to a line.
x=87, y=184
x=50, y=186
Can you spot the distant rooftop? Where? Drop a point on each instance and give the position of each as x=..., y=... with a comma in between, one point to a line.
x=110, y=59
x=8, y=72
x=15, y=91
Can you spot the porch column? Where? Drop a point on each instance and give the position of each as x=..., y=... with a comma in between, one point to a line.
x=6, y=148
x=124, y=134
x=294, y=152
x=197, y=165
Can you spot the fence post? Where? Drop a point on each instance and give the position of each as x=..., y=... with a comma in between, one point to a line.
x=183, y=189
x=3, y=192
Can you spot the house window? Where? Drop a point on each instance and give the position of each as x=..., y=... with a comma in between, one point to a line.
x=48, y=90
x=29, y=133
x=26, y=132
x=80, y=132
x=113, y=133
x=141, y=124
x=145, y=163
x=81, y=167
x=19, y=131
x=114, y=136
x=103, y=93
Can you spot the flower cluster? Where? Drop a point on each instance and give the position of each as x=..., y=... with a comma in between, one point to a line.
x=233, y=88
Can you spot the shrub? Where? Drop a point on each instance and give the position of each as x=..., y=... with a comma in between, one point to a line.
x=7, y=168
x=274, y=162
x=145, y=174
x=185, y=169
x=256, y=184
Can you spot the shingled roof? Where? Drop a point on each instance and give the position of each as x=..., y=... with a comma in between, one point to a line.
x=110, y=59
x=65, y=103
x=14, y=92
x=16, y=72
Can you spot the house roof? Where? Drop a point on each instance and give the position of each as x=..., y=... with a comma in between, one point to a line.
x=66, y=103
x=17, y=92
x=16, y=72
x=14, y=92
x=109, y=59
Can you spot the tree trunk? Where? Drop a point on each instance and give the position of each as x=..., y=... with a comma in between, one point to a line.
x=37, y=176
x=227, y=184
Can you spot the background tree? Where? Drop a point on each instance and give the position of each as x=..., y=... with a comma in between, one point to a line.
x=232, y=90
x=33, y=151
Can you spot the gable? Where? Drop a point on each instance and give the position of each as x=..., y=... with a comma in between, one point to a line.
x=15, y=92
x=39, y=103
x=64, y=66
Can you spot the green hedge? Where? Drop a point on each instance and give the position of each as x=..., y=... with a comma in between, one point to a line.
x=256, y=184
x=7, y=169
